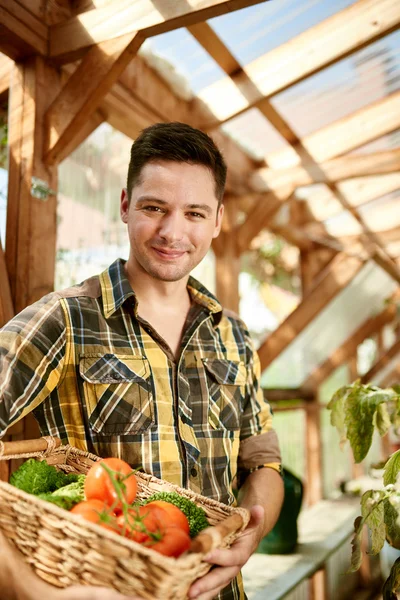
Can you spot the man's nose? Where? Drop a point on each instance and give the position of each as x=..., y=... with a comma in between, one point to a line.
x=172, y=227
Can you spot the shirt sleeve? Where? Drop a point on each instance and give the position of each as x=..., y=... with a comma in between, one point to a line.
x=32, y=352
x=259, y=445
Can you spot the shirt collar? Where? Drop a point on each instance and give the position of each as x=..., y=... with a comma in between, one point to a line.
x=115, y=289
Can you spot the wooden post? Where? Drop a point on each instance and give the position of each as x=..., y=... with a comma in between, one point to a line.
x=31, y=222
x=227, y=259
x=313, y=452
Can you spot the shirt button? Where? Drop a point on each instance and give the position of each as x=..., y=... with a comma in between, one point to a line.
x=117, y=376
x=193, y=472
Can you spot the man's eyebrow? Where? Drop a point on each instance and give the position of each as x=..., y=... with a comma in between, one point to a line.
x=204, y=207
x=143, y=199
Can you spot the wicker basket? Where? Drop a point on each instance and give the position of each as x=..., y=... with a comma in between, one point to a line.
x=65, y=551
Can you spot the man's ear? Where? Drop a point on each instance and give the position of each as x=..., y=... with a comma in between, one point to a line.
x=218, y=223
x=124, y=205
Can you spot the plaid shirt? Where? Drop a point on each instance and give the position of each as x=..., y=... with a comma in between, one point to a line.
x=100, y=378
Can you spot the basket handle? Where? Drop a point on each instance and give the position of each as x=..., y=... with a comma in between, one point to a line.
x=211, y=537
x=28, y=448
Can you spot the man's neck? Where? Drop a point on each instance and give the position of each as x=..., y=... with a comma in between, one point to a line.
x=158, y=294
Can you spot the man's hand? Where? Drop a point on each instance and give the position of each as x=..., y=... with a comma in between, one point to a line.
x=230, y=561
x=19, y=582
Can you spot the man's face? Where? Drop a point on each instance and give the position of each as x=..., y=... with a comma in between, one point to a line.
x=172, y=218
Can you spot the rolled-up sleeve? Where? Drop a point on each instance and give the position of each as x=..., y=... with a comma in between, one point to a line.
x=32, y=351
x=259, y=445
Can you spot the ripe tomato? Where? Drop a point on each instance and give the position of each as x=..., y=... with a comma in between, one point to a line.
x=175, y=515
x=99, y=485
x=173, y=543
x=139, y=524
x=96, y=511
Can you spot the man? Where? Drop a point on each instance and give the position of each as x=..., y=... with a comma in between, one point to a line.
x=142, y=362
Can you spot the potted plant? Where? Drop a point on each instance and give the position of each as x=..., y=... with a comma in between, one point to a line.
x=356, y=410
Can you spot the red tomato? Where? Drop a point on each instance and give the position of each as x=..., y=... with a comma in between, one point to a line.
x=139, y=524
x=96, y=511
x=173, y=543
x=99, y=485
x=175, y=515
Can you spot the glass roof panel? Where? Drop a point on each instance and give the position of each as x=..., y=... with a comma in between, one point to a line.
x=347, y=86
x=362, y=298
x=251, y=32
x=188, y=57
x=254, y=131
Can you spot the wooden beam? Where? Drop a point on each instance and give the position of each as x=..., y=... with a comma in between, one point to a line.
x=227, y=263
x=391, y=378
x=334, y=171
x=22, y=34
x=121, y=17
x=31, y=222
x=282, y=394
x=265, y=208
x=381, y=363
x=348, y=349
x=313, y=491
x=214, y=46
x=359, y=128
x=90, y=125
x=85, y=90
x=334, y=279
x=6, y=65
x=328, y=42
x=6, y=304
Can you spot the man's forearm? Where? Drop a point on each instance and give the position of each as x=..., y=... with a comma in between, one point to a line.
x=265, y=488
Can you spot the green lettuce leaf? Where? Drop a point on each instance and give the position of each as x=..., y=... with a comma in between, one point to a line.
x=337, y=406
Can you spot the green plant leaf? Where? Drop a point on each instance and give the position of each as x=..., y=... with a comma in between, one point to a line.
x=356, y=555
x=372, y=511
x=360, y=408
x=382, y=418
x=392, y=469
x=392, y=583
x=337, y=406
x=392, y=520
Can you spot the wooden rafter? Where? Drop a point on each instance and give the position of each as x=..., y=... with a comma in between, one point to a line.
x=21, y=32
x=72, y=37
x=349, y=348
x=6, y=65
x=317, y=48
x=381, y=363
x=334, y=171
x=336, y=277
x=84, y=91
x=346, y=134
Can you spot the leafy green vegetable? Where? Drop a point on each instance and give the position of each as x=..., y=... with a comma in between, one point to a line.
x=195, y=514
x=356, y=556
x=67, y=496
x=356, y=408
x=392, y=583
x=37, y=477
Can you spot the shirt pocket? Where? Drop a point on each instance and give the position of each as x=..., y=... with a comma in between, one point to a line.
x=226, y=381
x=118, y=393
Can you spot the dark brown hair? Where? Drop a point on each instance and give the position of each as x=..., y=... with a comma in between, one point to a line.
x=177, y=142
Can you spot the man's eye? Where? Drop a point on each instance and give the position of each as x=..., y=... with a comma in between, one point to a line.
x=152, y=208
x=196, y=215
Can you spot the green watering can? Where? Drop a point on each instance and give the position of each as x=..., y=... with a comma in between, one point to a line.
x=282, y=539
